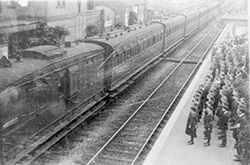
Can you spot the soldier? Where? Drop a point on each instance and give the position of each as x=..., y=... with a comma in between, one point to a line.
x=224, y=126
x=208, y=125
x=192, y=125
x=239, y=125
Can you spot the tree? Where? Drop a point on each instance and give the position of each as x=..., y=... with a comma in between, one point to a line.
x=46, y=35
x=92, y=30
x=42, y=35
x=132, y=18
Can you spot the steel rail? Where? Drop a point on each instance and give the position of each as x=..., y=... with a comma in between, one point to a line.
x=175, y=98
x=148, y=98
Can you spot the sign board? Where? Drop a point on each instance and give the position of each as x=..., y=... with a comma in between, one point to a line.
x=108, y=23
x=92, y=18
x=126, y=19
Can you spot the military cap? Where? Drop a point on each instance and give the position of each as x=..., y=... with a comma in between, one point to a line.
x=193, y=108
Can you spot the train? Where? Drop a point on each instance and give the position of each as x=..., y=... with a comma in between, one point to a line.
x=50, y=80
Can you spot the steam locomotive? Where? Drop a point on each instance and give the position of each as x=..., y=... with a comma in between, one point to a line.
x=43, y=86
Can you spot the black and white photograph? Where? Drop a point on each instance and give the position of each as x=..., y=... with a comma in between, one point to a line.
x=124, y=82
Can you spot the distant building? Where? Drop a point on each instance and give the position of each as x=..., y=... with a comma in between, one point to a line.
x=73, y=15
x=117, y=11
x=10, y=23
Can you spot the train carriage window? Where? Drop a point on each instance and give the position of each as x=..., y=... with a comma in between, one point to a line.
x=158, y=36
x=140, y=46
x=125, y=52
x=129, y=52
x=35, y=96
x=144, y=44
x=119, y=59
x=123, y=56
x=114, y=59
x=150, y=40
x=133, y=51
x=41, y=91
x=154, y=40
x=161, y=35
x=137, y=48
x=147, y=43
x=121, y=50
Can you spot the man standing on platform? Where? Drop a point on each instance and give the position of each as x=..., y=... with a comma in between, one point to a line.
x=224, y=126
x=239, y=125
x=208, y=125
x=192, y=125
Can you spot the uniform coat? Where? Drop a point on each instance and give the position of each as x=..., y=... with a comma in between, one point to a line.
x=191, y=125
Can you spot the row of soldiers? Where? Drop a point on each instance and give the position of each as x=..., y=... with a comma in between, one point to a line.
x=218, y=99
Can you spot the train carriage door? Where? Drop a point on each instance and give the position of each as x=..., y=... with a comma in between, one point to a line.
x=131, y=50
x=126, y=48
x=72, y=80
x=141, y=46
x=114, y=59
x=63, y=85
x=137, y=48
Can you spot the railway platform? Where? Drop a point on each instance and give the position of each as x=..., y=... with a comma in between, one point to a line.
x=171, y=147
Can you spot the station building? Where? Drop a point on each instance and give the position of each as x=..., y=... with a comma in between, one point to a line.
x=75, y=16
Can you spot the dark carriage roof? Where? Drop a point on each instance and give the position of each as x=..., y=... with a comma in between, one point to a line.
x=136, y=31
x=29, y=64
x=45, y=52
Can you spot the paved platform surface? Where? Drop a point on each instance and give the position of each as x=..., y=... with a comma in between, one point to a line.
x=171, y=147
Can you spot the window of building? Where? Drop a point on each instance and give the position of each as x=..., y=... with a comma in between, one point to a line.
x=90, y=5
x=136, y=9
x=61, y=4
x=79, y=6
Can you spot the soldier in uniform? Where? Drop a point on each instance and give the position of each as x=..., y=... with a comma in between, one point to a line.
x=224, y=126
x=239, y=125
x=192, y=125
x=208, y=125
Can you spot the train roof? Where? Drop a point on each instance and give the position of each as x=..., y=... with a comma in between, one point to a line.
x=39, y=57
x=121, y=36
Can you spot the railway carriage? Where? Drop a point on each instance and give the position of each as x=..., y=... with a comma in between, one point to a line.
x=50, y=80
x=204, y=11
x=175, y=30
x=192, y=22
x=214, y=9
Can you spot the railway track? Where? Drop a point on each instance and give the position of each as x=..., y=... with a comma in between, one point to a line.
x=130, y=140
x=130, y=107
x=37, y=144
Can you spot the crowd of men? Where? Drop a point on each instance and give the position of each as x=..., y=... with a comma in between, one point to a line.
x=222, y=98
